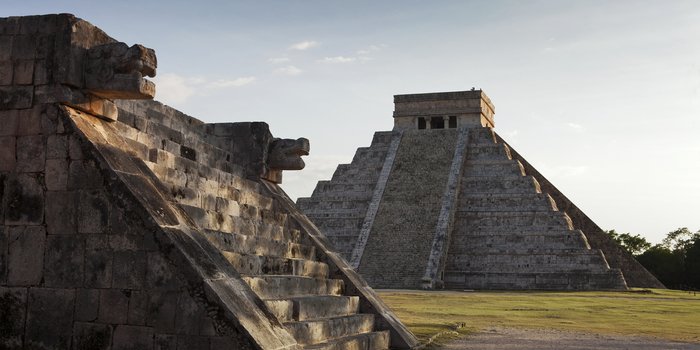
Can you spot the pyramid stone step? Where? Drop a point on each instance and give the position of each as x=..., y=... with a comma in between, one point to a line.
x=466, y=221
x=488, y=167
x=313, y=307
x=249, y=264
x=494, y=151
x=554, y=239
x=278, y=287
x=249, y=244
x=582, y=260
x=513, y=202
x=502, y=184
x=321, y=330
x=368, y=341
x=541, y=280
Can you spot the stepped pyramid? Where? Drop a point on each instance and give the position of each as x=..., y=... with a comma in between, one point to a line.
x=125, y=224
x=442, y=201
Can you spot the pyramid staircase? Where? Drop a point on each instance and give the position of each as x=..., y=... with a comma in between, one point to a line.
x=509, y=235
x=272, y=253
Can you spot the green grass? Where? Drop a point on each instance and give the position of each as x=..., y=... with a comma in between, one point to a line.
x=664, y=314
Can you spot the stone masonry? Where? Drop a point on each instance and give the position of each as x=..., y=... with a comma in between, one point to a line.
x=457, y=208
x=125, y=224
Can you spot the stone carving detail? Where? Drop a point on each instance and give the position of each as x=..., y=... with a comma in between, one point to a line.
x=285, y=154
x=117, y=71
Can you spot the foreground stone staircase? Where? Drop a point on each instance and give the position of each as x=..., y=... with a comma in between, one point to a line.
x=274, y=258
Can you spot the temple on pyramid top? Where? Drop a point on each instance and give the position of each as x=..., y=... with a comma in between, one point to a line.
x=443, y=201
x=443, y=110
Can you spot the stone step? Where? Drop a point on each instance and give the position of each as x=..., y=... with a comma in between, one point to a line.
x=251, y=244
x=535, y=281
x=313, y=307
x=349, y=213
x=508, y=202
x=250, y=264
x=332, y=187
x=562, y=239
x=482, y=136
x=494, y=151
x=278, y=287
x=582, y=260
x=489, y=167
x=499, y=184
x=471, y=221
x=370, y=341
x=321, y=330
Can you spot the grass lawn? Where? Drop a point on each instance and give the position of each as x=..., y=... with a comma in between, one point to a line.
x=665, y=314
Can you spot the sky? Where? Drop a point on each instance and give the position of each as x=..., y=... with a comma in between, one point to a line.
x=602, y=97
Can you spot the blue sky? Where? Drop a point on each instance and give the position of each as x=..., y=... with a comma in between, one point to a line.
x=603, y=97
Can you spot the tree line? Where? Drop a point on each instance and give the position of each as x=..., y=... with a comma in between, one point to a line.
x=675, y=261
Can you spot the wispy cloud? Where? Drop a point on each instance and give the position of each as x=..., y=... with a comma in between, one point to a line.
x=176, y=89
x=304, y=45
x=288, y=70
x=278, y=60
x=222, y=83
x=370, y=49
x=575, y=126
x=338, y=59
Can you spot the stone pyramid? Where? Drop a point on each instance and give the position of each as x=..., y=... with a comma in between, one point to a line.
x=443, y=201
x=125, y=224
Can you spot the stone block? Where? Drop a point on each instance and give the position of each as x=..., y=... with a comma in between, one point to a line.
x=98, y=268
x=167, y=342
x=83, y=174
x=41, y=73
x=132, y=337
x=31, y=153
x=23, y=72
x=8, y=157
x=188, y=316
x=129, y=269
x=61, y=212
x=92, y=336
x=8, y=122
x=223, y=343
x=16, y=97
x=29, y=121
x=23, y=47
x=3, y=251
x=56, y=175
x=75, y=150
x=64, y=262
x=25, y=255
x=49, y=318
x=192, y=342
x=114, y=306
x=160, y=273
x=5, y=47
x=57, y=147
x=23, y=200
x=13, y=305
x=138, y=308
x=6, y=70
x=87, y=303
x=94, y=212
x=162, y=307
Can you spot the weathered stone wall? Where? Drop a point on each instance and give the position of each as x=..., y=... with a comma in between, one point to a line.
x=84, y=268
x=408, y=213
x=134, y=226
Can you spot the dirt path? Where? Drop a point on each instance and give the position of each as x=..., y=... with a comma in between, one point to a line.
x=511, y=339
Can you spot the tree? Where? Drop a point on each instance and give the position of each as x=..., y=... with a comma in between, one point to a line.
x=634, y=244
x=676, y=261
